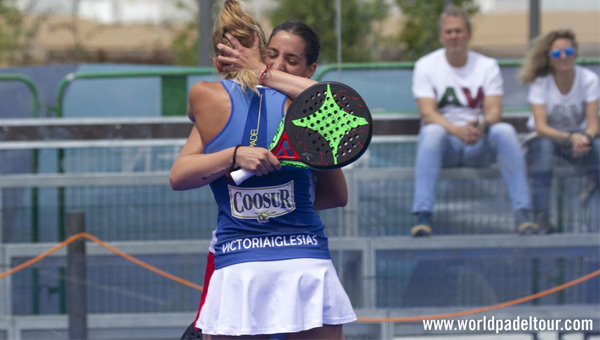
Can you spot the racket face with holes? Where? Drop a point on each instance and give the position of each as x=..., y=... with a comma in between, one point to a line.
x=327, y=126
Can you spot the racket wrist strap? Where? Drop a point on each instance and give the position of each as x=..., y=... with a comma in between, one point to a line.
x=233, y=158
x=263, y=74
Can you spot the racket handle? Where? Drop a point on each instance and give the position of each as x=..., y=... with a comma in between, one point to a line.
x=240, y=175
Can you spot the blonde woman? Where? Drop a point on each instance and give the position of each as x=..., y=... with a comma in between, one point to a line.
x=564, y=105
x=274, y=274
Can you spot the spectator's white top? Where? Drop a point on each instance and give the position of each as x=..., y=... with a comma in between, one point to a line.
x=459, y=91
x=565, y=112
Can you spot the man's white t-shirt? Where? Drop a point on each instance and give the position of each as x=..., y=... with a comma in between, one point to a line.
x=459, y=91
x=565, y=112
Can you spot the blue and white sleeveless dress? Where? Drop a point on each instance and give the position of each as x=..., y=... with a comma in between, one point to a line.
x=273, y=268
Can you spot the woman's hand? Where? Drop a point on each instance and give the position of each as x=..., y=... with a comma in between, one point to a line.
x=240, y=57
x=580, y=144
x=258, y=160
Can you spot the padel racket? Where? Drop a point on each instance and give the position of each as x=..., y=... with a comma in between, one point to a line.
x=327, y=126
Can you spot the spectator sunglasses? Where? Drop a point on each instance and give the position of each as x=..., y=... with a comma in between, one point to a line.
x=569, y=52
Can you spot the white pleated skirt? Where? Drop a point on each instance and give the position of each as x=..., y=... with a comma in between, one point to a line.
x=274, y=297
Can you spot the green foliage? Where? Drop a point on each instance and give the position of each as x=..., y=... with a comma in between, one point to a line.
x=185, y=45
x=420, y=32
x=357, y=19
x=16, y=35
x=185, y=41
x=11, y=21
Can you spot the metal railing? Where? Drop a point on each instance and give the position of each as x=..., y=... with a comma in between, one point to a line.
x=174, y=91
x=35, y=107
x=470, y=200
x=410, y=64
x=174, y=86
x=35, y=102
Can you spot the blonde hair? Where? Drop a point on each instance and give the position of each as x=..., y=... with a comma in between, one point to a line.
x=537, y=61
x=233, y=19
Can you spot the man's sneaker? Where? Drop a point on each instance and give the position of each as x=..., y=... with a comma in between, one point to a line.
x=421, y=230
x=423, y=227
x=528, y=228
x=524, y=225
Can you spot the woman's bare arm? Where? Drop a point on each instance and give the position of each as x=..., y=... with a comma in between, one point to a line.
x=240, y=57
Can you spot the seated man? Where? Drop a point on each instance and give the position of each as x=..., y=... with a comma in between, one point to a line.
x=459, y=97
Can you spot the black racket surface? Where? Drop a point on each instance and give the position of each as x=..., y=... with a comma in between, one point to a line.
x=328, y=126
x=191, y=333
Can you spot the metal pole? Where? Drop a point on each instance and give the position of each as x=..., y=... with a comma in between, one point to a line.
x=76, y=278
x=205, y=26
x=338, y=28
x=534, y=19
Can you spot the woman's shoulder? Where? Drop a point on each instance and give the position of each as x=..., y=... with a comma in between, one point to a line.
x=205, y=87
x=588, y=82
x=586, y=73
x=205, y=97
x=207, y=93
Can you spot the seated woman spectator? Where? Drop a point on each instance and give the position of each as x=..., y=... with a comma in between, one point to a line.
x=564, y=105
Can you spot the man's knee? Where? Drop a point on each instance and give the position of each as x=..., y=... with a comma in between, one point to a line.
x=502, y=129
x=503, y=136
x=432, y=135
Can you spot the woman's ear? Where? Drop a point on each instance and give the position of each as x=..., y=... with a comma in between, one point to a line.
x=311, y=70
x=218, y=65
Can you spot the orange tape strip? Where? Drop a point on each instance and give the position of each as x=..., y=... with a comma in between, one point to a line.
x=198, y=287
x=105, y=245
x=487, y=308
